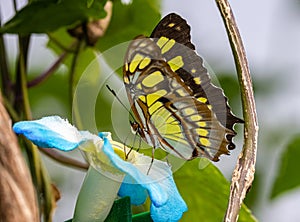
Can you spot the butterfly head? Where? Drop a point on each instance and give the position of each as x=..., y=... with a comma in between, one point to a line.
x=136, y=128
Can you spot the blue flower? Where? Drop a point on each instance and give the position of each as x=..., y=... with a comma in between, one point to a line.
x=109, y=158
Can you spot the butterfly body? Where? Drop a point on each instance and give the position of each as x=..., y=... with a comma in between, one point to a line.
x=175, y=105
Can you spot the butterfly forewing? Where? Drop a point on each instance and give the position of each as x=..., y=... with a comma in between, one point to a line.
x=173, y=27
x=171, y=95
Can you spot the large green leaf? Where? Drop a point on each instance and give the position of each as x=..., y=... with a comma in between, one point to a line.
x=48, y=16
x=127, y=22
x=288, y=170
x=206, y=192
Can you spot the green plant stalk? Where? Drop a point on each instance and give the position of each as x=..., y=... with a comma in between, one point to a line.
x=35, y=167
x=15, y=5
x=243, y=174
x=23, y=79
x=4, y=71
x=60, y=45
x=12, y=113
x=39, y=173
x=80, y=45
x=5, y=75
x=41, y=180
x=49, y=198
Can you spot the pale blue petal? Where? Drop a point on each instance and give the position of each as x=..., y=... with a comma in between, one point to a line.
x=174, y=207
x=155, y=191
x=136, y=192
x=50, y=132
x=161, y=172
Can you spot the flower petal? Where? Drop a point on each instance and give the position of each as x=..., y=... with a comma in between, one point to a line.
x=167, y=204
x=52, y=132
x=175, y=206
x=160, y=172
x=136, y=192
x=154, y=190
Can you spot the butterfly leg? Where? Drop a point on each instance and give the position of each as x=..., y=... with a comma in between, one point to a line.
x=126, y=154
x=152, y=160
x=167, y=160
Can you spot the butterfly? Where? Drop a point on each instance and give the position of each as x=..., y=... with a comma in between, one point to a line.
x=175, y=105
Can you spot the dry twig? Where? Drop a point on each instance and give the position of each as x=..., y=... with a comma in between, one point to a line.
x=243, y=174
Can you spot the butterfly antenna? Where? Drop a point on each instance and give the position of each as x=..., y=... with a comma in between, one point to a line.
x=115, y=95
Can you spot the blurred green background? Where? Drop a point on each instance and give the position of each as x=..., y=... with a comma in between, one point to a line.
x=271, y=33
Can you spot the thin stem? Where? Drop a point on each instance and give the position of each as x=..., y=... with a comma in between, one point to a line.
x=15, y=5
x=64, y=159
x=5, y=75
x=12, y=113
x=34, y=164
x=79, y=47
x=243, y=174
x=48, y=72
x=41, y=180
x=60, y=45
x=23, y=44
x=39, y=173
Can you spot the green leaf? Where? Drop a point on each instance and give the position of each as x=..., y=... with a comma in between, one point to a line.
x=120, y=211
x=254, y=194
x=48, y=16
x=127, y=22
x=230, y=86
x=206, y=192
x=288, y=171
x=142, y=217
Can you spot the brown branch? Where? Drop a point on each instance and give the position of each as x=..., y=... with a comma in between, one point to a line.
x=18, y=201
x=243, y=174
x=48, y=72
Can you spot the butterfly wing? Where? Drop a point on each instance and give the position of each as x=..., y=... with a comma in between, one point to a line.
x=172, y=97
x=173, y=28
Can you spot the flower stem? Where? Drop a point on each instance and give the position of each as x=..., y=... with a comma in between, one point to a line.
x=38, y=171
x=60, y=45
x=23, y=44
x=5, y=75
x=12, y=113
x=78, y=50
x=243, y=174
